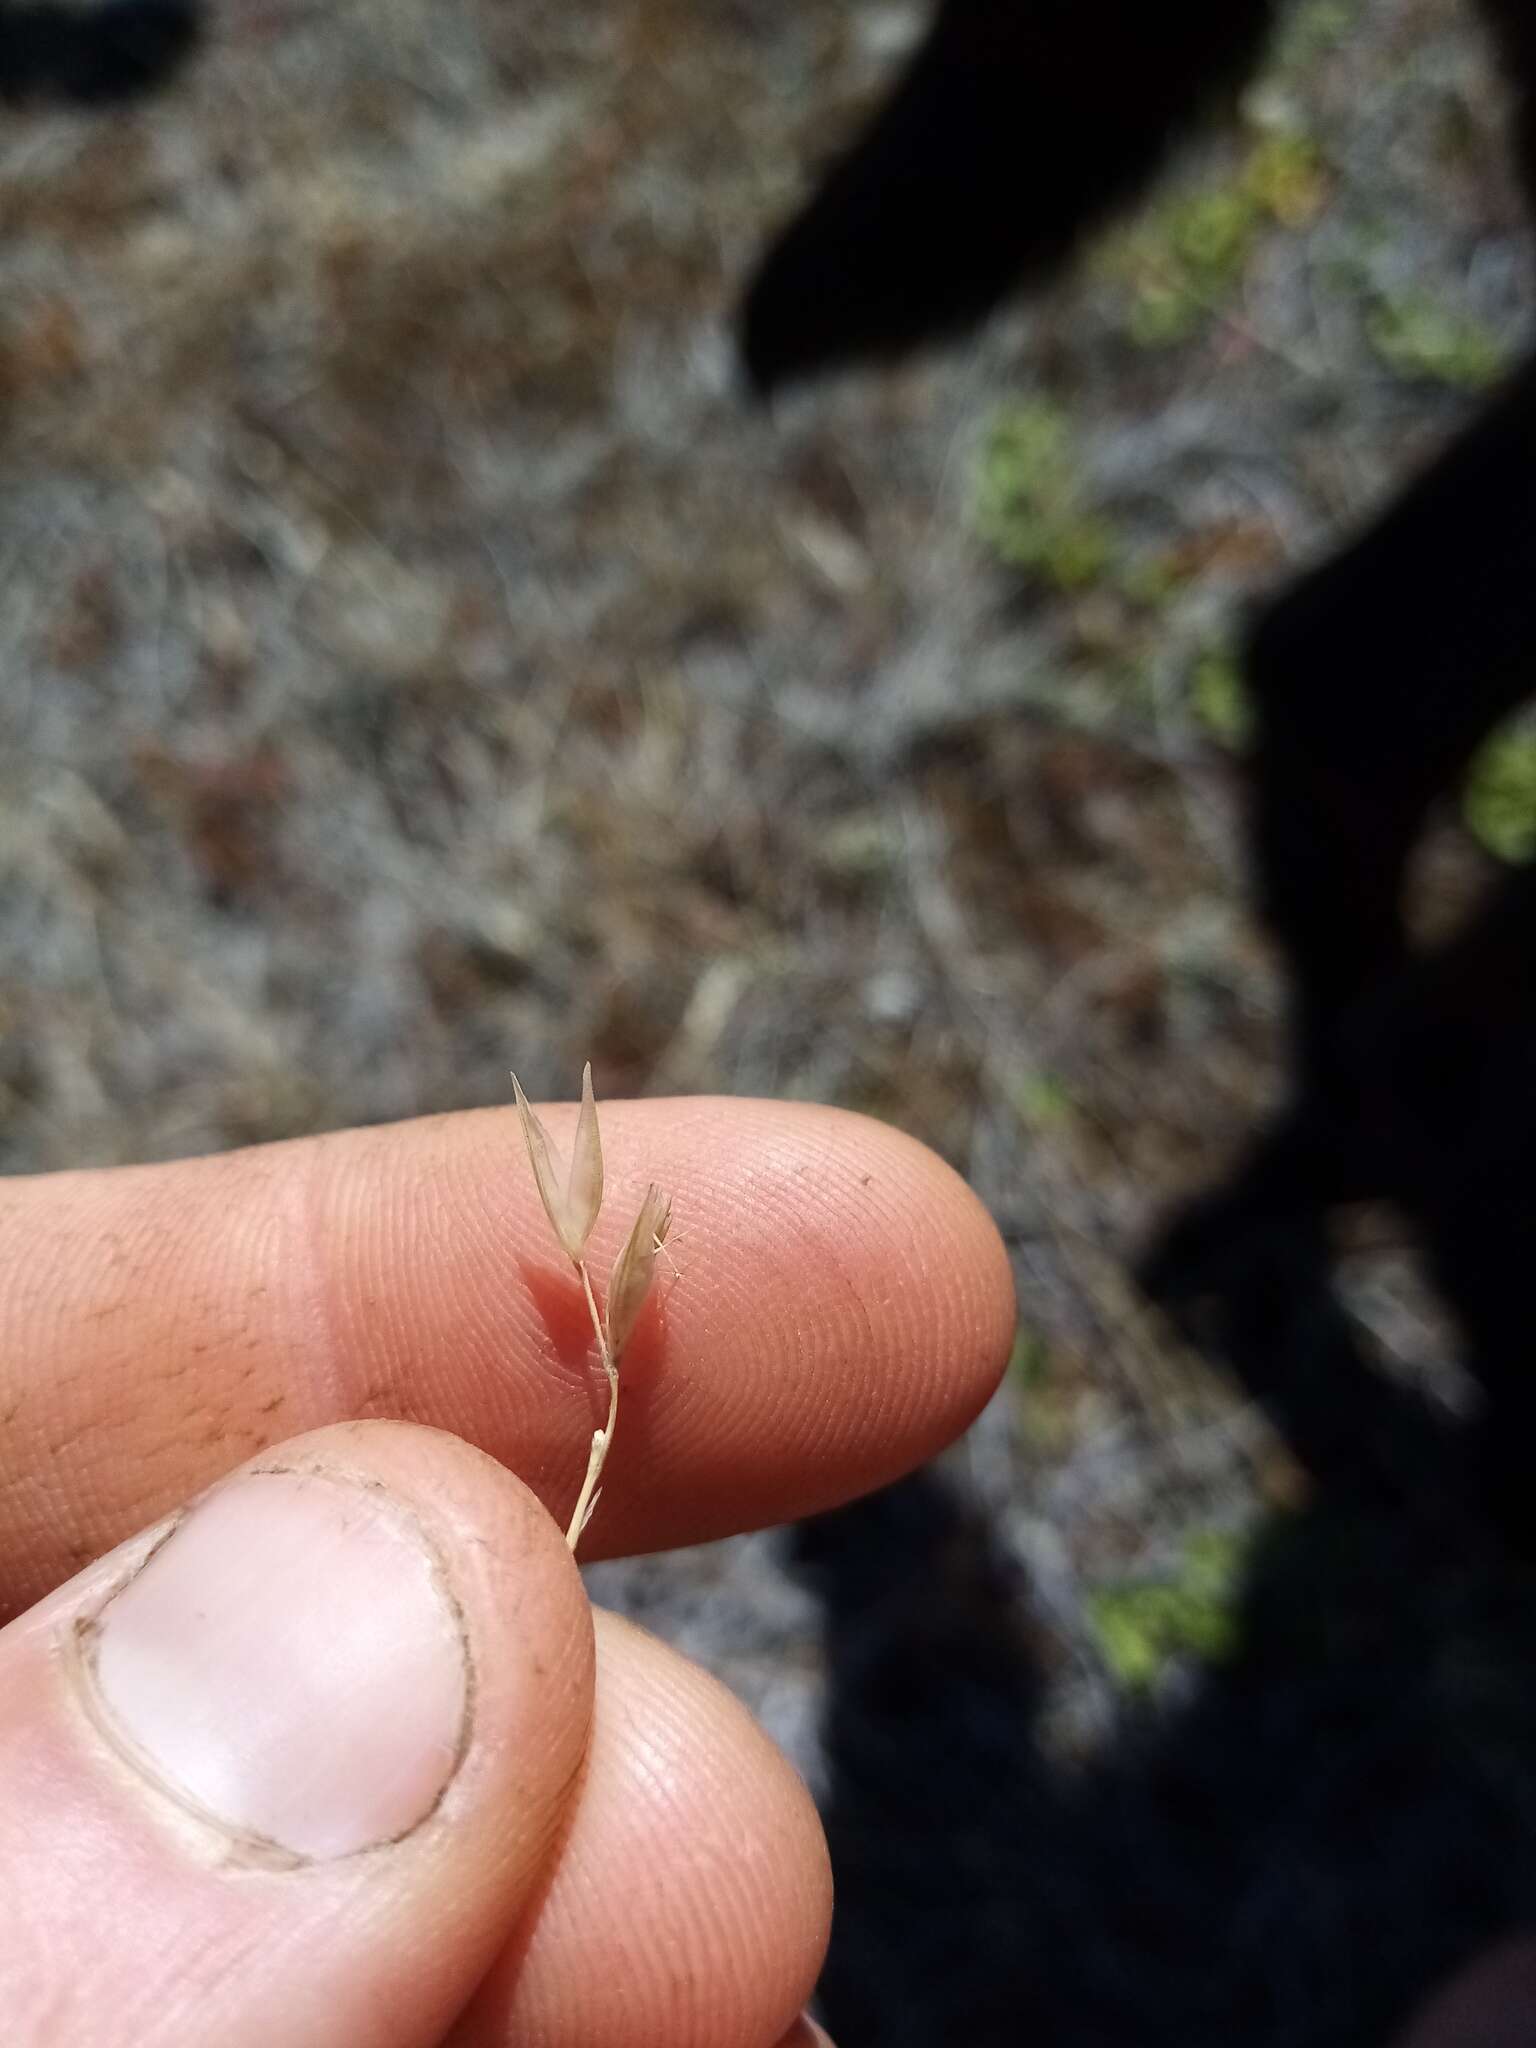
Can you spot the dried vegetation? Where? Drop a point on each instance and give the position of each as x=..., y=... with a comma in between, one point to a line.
x=417, y=655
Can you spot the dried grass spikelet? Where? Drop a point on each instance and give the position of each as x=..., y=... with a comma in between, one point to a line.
x=572, y=1212
x=634, y=1268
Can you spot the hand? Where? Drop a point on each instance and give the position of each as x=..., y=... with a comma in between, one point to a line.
x=331, y=1749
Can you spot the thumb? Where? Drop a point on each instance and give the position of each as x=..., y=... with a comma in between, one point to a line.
x=289, y=1766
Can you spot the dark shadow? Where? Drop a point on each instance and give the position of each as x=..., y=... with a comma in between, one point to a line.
x=93, y=56
x=1338, y=1818
x=1013, y=132
x=1422, y=1095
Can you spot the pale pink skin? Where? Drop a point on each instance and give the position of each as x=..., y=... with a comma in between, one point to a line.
x=336, y=1752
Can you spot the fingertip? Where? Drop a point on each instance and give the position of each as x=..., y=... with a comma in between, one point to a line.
x=968, y=1239
x=348, y=1686
x=692, y=1899
x=843, y=1310
x=805, y=2033
x=835, y=1306
x=943, y=1303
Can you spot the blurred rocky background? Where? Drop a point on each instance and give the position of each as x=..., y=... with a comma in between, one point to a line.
x=416, y=657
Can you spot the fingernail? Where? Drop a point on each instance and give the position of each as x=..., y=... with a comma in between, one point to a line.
x=290, y=1664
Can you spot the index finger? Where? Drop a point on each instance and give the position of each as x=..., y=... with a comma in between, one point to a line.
x=839, y=1308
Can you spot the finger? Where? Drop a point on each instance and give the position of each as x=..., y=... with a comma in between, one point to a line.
x=288, y=1767
x=806, y=2034
x=840, y=1308
x=691, y=1902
